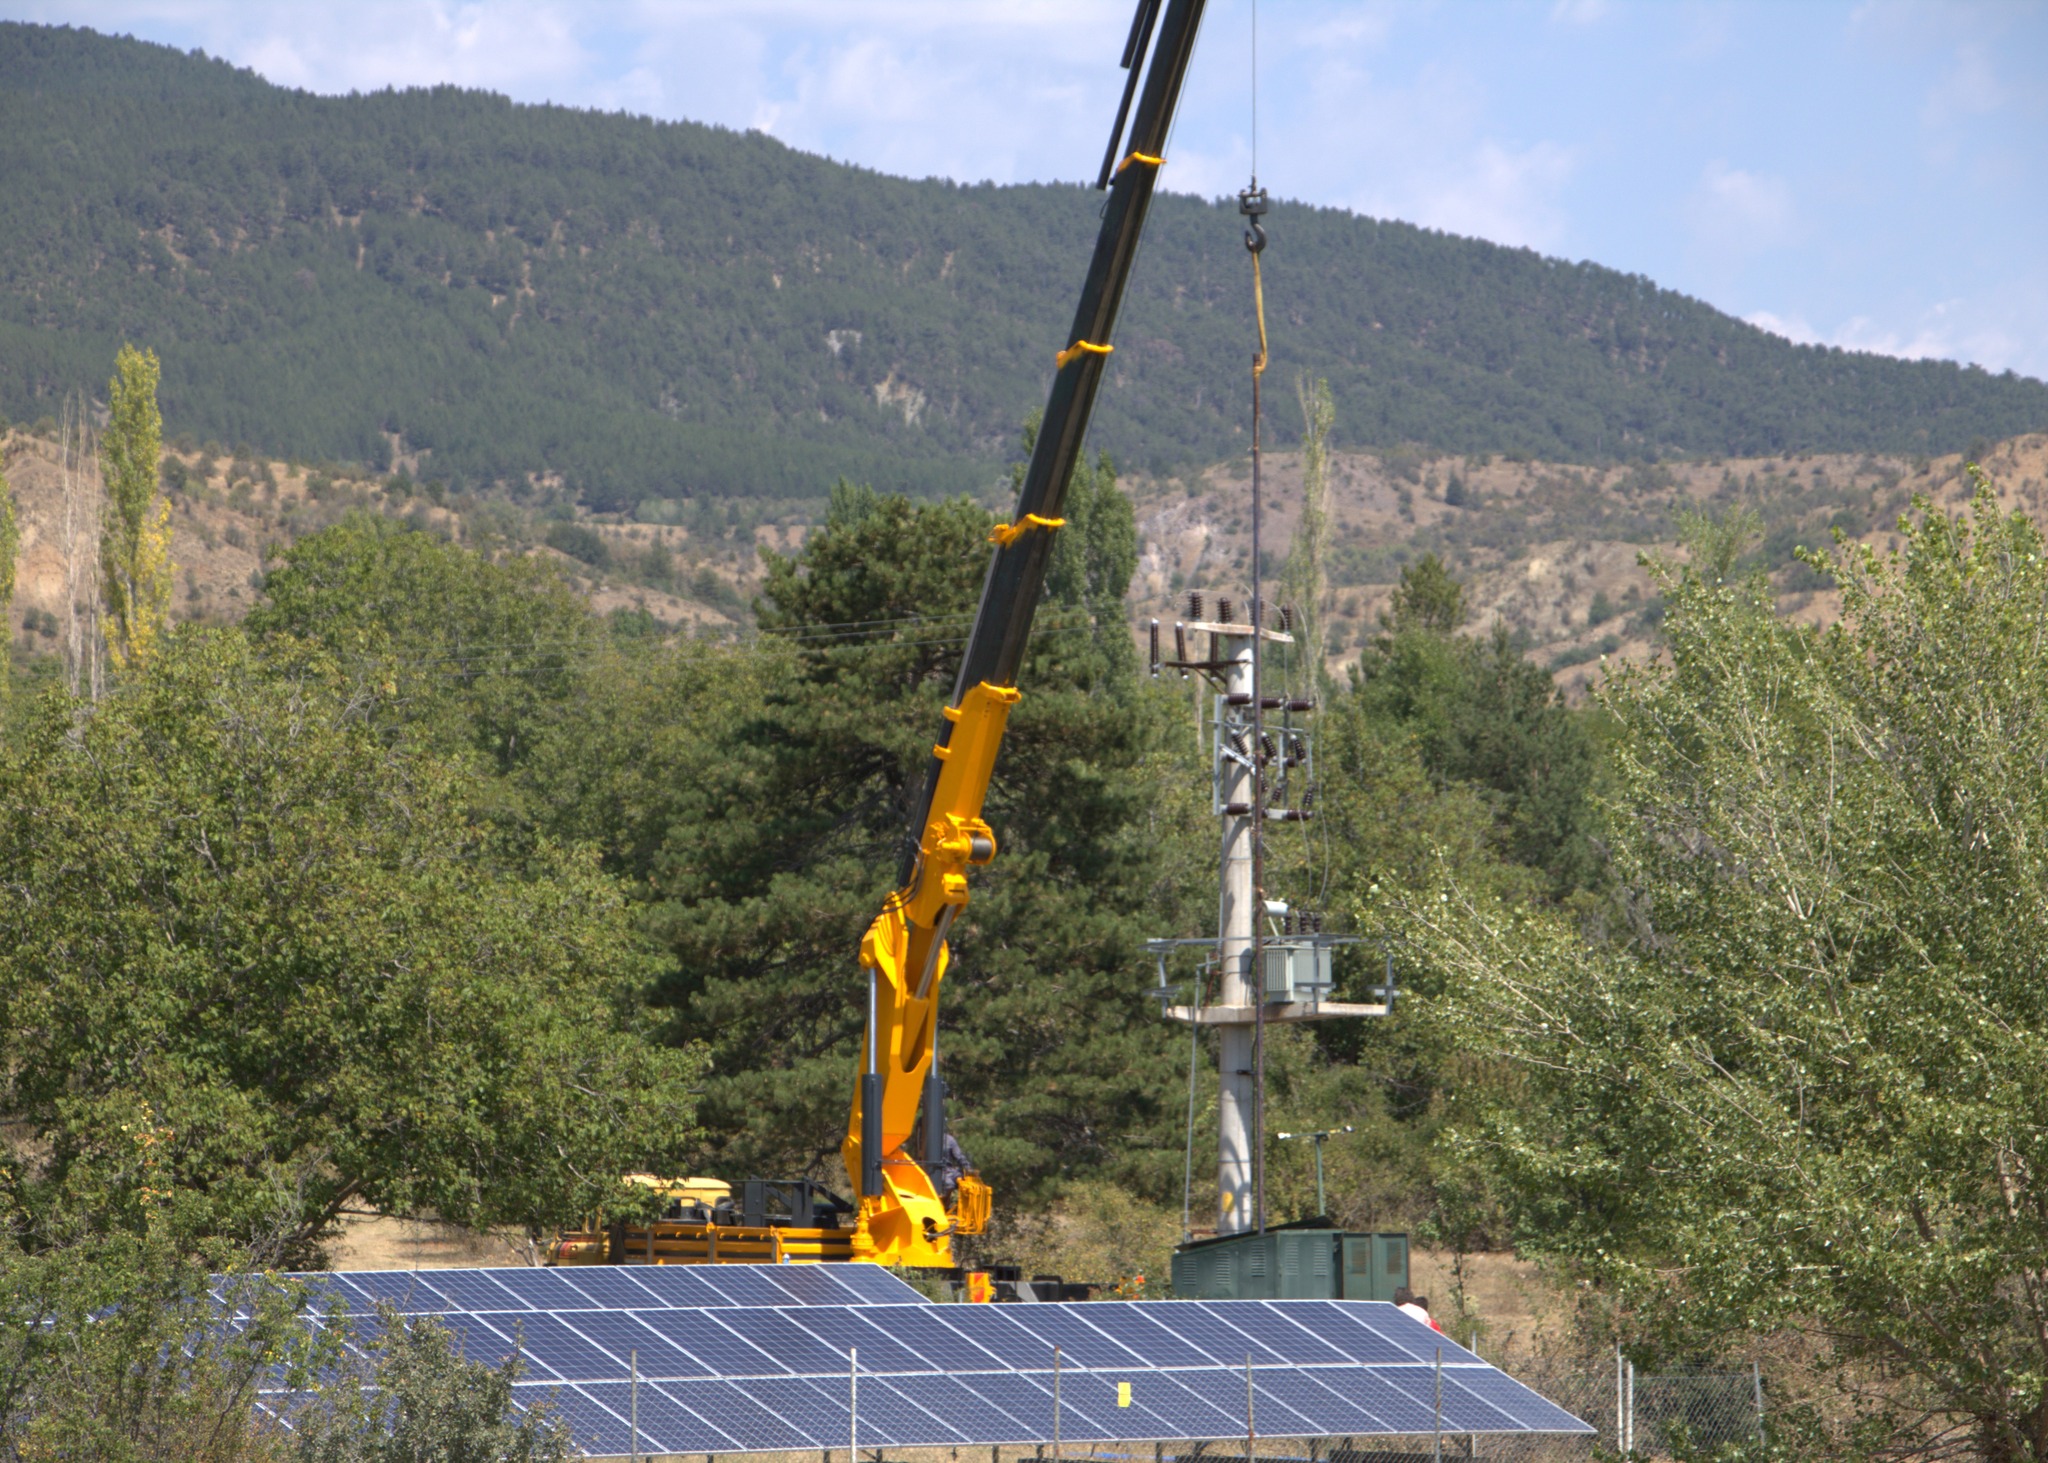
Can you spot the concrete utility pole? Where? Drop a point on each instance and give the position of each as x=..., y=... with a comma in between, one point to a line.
x=1240, y=1005
x=1237, y=927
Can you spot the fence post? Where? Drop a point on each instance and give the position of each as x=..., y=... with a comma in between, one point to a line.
x=1756, y=1381
x=1631, y=1408
x=1436, y=1450
x=1620, y=1427
x=1055, y=1405
x=633, y=1360
x=853, y=1404
x=1251, y=1434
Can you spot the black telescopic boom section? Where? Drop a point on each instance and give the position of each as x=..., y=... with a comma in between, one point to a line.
x=1134, y=62
x=1016, y=571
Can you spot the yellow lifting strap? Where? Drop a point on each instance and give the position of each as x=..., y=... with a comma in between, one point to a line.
x=1259, y=306
x=1141, y=157
x=1079, y=348
x=1005, y=534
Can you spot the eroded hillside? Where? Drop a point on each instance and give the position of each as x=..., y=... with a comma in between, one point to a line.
x=1550, y=551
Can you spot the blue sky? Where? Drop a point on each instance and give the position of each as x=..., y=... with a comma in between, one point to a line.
x=1873, y=175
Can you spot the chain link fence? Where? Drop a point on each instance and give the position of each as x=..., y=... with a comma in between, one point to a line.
x=1644, y=1414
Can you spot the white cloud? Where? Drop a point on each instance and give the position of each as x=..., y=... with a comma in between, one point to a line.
x=1953, y=330
x=1788, y=327
x=506, y=45
x=1509, y=195
x=1733, y=211
x=1968, y=86
x=1578, y=12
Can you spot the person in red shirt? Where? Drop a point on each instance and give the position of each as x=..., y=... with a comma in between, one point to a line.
x=1417, y=1306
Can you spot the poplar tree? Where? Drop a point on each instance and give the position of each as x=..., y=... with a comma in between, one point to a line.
x=1303, y=581
x=10, y=545
x=135, y=544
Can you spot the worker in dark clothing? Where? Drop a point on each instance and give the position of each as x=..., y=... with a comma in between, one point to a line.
x=952, y=1164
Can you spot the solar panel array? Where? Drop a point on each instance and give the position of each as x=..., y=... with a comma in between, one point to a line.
x=738, y=1375
x=603, y=1287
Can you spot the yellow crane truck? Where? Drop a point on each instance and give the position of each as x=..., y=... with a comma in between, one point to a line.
x=908, y=1211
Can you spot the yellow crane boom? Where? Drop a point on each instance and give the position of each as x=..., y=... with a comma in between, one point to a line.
x=902, y=1217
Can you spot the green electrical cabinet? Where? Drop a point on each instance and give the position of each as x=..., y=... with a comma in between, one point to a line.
x=1308, y=1261
x=1375, y=1265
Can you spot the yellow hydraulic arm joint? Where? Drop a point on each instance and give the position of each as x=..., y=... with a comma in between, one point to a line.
x=902, y=1219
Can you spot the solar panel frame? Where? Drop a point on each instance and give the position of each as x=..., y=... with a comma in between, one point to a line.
x=876, y=1286
x=891, y=1415
x=720, y=1375
x=783, y=1338
x=401, y=1289
x=684, y=1332
x=1087, y=1405
x=1462, y=1411
x=481, y=1338
x=550, y=1340
x=1293, y=1343
x=1095, y=1395
x=475, y=1290
x=795, y=1404
x=1370, y=1392
x=1344, y=1327
x=1303, y=1395
x=1403, y=1330
x=816, y=1285
x=1080, y=1344
x=610, y=1286
x=927, y=1330
x=1201, y=1408
x=1523, y=1403
x=1202, y=1328
x=1012, y=1343
x=593, y=1427
x=1153, y=1343
x=745, y=1286
x=1017, y=1395
x=845, y=1328
x=665, y=1423
x=958, y=1399
x=680, y=1287
x=721, y=1404
x=621, y=1335
x=542, y=1289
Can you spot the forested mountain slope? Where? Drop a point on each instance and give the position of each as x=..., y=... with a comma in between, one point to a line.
x=656, y=311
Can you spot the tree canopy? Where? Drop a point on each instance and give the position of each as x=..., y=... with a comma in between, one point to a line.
x=1797, y=1087
x=231, y=905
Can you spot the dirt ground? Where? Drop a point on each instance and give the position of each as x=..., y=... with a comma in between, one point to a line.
x=1517, y=1311
x=379, y=1242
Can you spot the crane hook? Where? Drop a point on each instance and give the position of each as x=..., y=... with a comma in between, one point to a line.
x=1252, y=203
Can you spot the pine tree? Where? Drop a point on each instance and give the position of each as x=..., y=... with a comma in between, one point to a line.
x=135, y=545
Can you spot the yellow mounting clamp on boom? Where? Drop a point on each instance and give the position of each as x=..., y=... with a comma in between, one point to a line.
x=904, y=951
x=1005, y=534
x=1079, y=349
